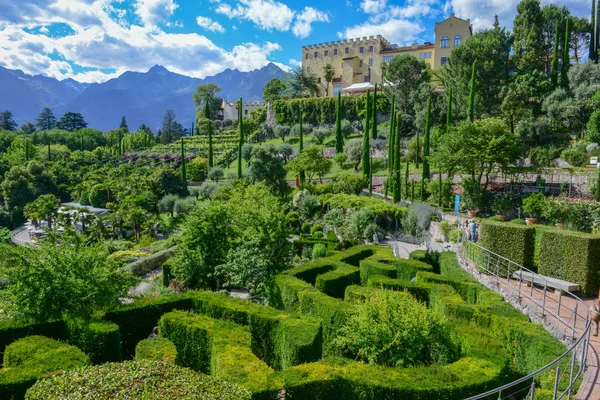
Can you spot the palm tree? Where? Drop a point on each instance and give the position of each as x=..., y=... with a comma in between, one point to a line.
x=328, y=74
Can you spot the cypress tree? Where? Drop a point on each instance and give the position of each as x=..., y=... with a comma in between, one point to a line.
x=597, y=191
x=241, y=142
x=597, y=32
x=81, y=142
x=554, y=67
x=418, y=152
x=366, y=144
x=406, y=183
x=183, y=171
x=471, y=111
x=207, y=112
x=593, y=44
x=120, y=144
x=339, y=139
x=449, y=111
x=370, y=175
x=374, y=112
x=301, y=144
x=397, y=168
x=210, y=147
x=425, y=173
x=566, y=62
x=391, y=149
x=48, y=145
x=412, y=193
x=192, y=131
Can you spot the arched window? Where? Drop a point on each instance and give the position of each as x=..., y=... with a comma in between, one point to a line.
x=456, y=40
x=307, y=56
x=445, y=42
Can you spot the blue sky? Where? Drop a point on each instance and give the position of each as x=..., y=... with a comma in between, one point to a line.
x=95, y=40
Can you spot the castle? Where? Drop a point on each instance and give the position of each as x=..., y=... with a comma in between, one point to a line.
x=360, y=63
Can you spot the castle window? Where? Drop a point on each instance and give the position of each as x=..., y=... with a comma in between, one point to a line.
x=307, y=56
x=316, y=54
x=335, y=52
x=347, y=50
x=370, y=62
x=371, y=48
x=444, y=42
x=444, y=60
x=456, y=40
x=326, y=53
x=388, y=58
x=420, y=56
x=360, y=64
x=367, y=78
x=429, y=55
x=362, y=50
x=246, y=112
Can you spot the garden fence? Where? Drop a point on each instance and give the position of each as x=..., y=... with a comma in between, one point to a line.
x=571, y=323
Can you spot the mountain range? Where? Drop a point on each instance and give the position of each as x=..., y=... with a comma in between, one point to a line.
x=140, y=97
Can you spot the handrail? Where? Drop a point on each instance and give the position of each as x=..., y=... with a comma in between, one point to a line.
x=478, y=256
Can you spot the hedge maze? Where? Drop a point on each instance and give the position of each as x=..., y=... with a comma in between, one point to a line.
x=290, y=347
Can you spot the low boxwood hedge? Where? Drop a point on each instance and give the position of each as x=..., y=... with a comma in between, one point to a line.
x=156, y=349
x=100, y=340
x=354, y=254
x=334, y=283
x=34, y=357
x=571, y=256
x=135, y=380
x=514, y=242
x=309, y=272
x=284, y=295
x=419, y=290
x=370, y=267
x=14, y=330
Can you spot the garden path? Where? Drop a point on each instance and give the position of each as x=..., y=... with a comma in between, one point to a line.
x=566, y=309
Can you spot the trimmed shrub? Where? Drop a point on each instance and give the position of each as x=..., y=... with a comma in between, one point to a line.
x=408, y=269
x=419, y=290
x=148, y=264
x=428, y=257
x=514, y=242
x=571, y=256
x=142, y=379
x=309, y=271
x=354, y=254
x=14, y=330
x=100, y=340
x=319, y=250
x=285, y=295
x=34, y=357
x=156, y=349
x=316, y=228
x=137, y=320
x=370, y=267
x=334, y=283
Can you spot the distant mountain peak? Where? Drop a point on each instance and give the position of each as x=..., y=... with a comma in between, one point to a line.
x=158, y=69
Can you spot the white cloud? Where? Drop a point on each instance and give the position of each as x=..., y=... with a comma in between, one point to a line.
x=415, y=8
x=95, y=76
x=395, y=30
x=285, y=68
x=302, y=25
x=373, y=6
x=155, y=12
x=267, y=14
x=294, y=63
x=209, y=24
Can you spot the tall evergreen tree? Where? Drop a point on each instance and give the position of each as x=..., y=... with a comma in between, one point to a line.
x=241, y=141
x=192, y=131
x=471, y=110
x=46, y=120
x=554, y=67
x=183, y=170
x=48, y=146
x=566, y=61
x=397, y=167
x=391, y=148
x=120, y=142
x=339, y=138
x=124, y=124
x=529, y=47
x=366, y=150
x=406, y=178
x=210, y=147
x=207, y=111
x=301, y=142
x=71, y=121
x=374, y=113
x=593, y=43
x=426, y=172
x=7, y=121
x=449, y=110
x=418, y=151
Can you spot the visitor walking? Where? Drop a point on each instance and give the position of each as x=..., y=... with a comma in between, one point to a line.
x=473, y=231
x=154, y=333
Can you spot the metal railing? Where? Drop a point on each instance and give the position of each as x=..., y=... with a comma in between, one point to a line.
x=570, y=324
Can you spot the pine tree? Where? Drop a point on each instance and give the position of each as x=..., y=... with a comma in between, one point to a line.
x=471, y=111
x=241, y=142
x=183, y=171
x=391, y=149
x=123, y=124
x=554, y=67
x=397, y=167
x=566, y=61
x=46, y=120
x=593, y=44
x=339, y=139
x=366, y=150
x=374, y=112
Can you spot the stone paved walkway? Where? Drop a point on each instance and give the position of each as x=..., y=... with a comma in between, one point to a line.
x=557, y=320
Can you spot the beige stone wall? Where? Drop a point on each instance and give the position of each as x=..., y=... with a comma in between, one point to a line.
x=231, y=112
x=449, y=28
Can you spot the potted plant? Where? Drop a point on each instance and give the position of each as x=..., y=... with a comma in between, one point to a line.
x=472, y=197
x=534, y=206
x=499, y=207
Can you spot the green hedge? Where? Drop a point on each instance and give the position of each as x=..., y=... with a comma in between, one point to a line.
x=573, y=257
x=34, y=357
x=334, y=283
x=217, y=347
x=284, y=295
x=419, y=290
x=309, y=272
x=370, y=267
x=148, y=264
x=132, y=380
x=428, y=257
x=354, y=254
x=100, y=340
x=156, y=349
x=137, y=320
x=300, y=244
x=515, y=242
x=14, y=330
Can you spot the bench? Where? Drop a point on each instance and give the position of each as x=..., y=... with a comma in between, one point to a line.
x=548, y=282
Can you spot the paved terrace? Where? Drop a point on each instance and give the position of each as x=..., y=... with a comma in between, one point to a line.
x=590, y=387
